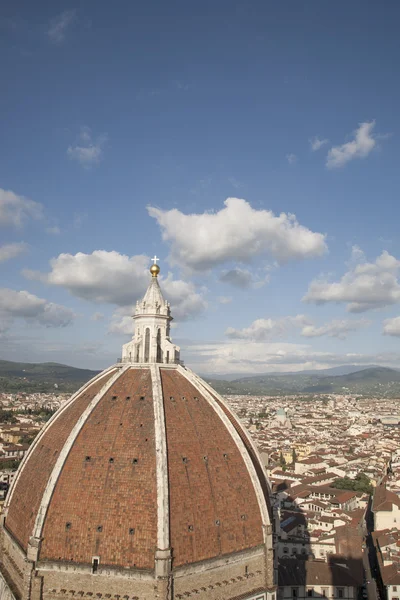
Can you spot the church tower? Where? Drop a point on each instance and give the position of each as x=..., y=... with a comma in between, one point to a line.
x=151, y=342
x=143, y=486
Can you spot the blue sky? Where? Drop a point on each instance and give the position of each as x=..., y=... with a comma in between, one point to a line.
x=126, y=129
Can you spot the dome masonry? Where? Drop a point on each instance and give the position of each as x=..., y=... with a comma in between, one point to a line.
x=143, y=485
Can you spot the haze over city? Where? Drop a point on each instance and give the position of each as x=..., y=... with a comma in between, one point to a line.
x=252, y=147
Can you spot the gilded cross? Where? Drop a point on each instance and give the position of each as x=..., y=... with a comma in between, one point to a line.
x=155, y=259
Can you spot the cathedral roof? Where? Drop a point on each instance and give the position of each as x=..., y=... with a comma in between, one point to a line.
x=146, y=458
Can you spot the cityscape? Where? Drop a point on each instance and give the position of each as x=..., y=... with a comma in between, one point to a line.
x=199, y=300
x=333, y=463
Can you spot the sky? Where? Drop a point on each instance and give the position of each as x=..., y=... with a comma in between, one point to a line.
x=252, y=146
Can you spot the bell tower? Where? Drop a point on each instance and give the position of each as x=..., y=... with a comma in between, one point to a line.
x=151, y=341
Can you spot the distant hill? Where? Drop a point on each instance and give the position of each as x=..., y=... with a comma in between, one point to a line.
x=369, y=381
x=341, y=370
x=376, y=380
x=372, y=381
x=41, y=377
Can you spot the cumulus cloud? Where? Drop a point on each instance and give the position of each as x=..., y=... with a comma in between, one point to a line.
x=266, y=329
x=362, y=144
x=112, y=278
x=185, y=301
x=101, y=277
x=121, y=323
x=338, y=328
x=316, y=143
x=392, y=327
x=291, y=158
x=59, y=25
x=16, y=210
x=87, y=150
x=364, y=287
x=9, y=251
x=236, y=232
x=23, y=305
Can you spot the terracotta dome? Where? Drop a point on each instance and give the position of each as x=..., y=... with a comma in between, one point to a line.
x=143, y=485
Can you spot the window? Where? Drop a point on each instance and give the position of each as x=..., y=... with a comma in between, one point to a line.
x=339, y=593
x=147, y=345
x=95, y=564
x=395, y=588
x=310, y=593
x=285, y=550
x=324, y=592
x=159, y=353
x=294, y=592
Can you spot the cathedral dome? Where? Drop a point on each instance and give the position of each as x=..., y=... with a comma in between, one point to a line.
x=143, y=485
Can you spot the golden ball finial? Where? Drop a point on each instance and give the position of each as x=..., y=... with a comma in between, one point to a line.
x=154, y=270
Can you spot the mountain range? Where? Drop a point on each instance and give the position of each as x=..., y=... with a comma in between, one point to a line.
x=368, y=381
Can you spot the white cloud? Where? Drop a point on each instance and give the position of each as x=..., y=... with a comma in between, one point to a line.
x=87, y=151
x=362, y=144
x=16, y=210
x=9, y=251
x=121, y=324
x=242, y=356
x=261, y=330
x=266, y=329
x=185, y=301
x=101, y=277
x=291, y=158
x=316, y=143
x=224, y=299
x=59, y=25
x=338, y=328
x=23, y=305
x=237, y=232
x=392, y=327
x=364, y=287
x=114, y=278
